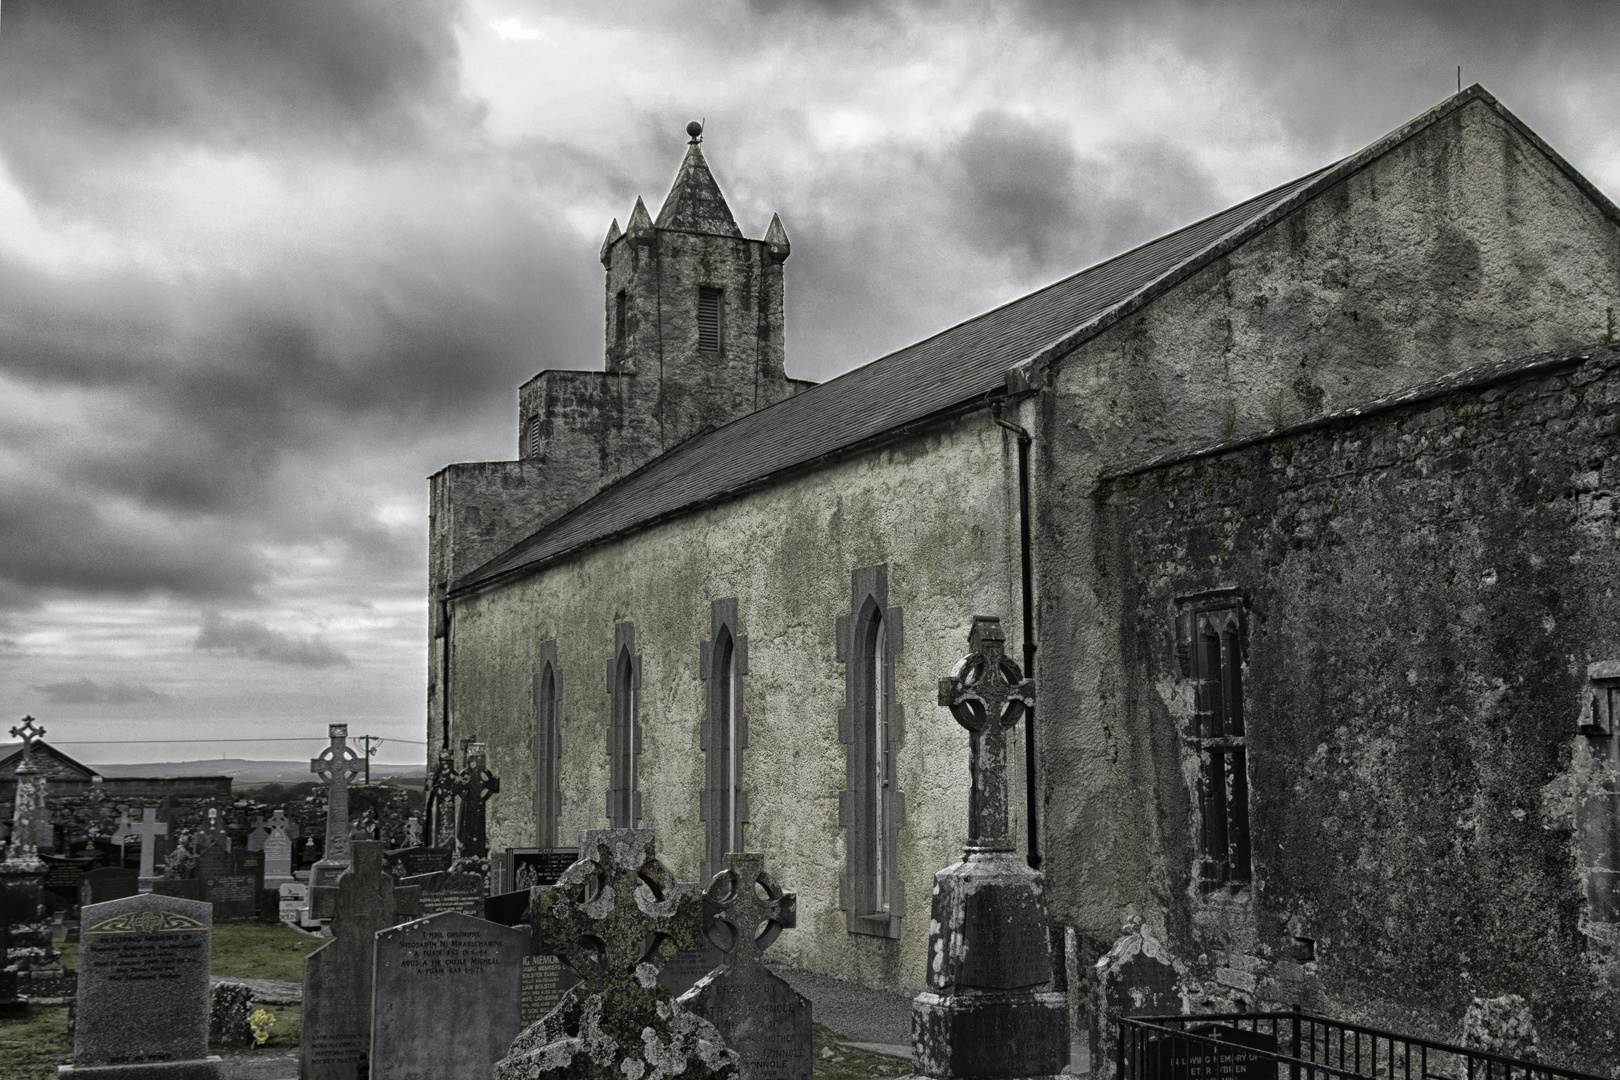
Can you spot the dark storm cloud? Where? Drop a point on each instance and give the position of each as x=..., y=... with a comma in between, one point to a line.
x=1019, y=188
x=97, y=77
x=86, y=691
x=256, y=641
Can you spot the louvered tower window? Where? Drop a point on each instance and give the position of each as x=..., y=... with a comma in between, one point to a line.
x=709, y=319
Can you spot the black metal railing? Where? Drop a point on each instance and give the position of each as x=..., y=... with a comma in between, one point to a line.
x=1298, y=1046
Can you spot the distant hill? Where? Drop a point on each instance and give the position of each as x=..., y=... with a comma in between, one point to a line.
x=250, y=772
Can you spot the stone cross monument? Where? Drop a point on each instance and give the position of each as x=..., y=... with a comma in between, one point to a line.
x=761, y=1017
x=22, y=856
x=617, y=1021
x=149, y=828
x=441, y=800
x=990, y=1009
x=474, y=786
x=337, y=765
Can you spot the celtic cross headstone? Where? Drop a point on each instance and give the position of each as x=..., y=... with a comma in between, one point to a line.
x=441, y=800
x=615, y=917
x=991, y=1008
x=338, y=976
x=761, y=1017
x=475, y=785
x=337, y=765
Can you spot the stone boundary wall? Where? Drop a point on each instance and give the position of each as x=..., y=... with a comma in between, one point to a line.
x=1428, y=587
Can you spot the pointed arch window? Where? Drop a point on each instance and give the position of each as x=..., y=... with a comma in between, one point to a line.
x=624, y=729
x=547, y=749
x=872, y=808
x=1212, y=647
x=722, y=663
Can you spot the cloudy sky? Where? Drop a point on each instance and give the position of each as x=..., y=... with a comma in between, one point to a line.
x=267, y=264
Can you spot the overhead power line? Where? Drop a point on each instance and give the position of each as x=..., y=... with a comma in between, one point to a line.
x=134, y=742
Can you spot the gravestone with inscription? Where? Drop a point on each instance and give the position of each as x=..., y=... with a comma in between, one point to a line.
x=62, y=875
x=1136, y=977
x=414, y=861
x=294, y=901
x=143, y=991
x=336, y=1040
x=990, y=1009
x=278, y=859
x=545, y=980
x=235, y=896
x=1221, y=1052
x=617, y=1022
x=446, y=999
x=449, y=891
x=763, y=1019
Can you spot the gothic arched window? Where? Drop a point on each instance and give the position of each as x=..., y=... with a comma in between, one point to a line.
x=723, y=661
x=624, y=729
x=547, y=749
x=872, y=808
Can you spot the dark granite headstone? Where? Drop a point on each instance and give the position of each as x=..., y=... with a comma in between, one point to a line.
x=336, y=1043
x=415, y=861
x=234, y=896
x=763, y=1019
x=1172, y=1058
x=108, y=883
x=446, y=1002
x=62, y=875
x=507, y=908
x=445, y=891
x=143, y=991
x=186, y=888
x=528, y=867
x=215, y=862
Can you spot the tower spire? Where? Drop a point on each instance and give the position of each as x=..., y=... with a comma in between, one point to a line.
x=695, y=203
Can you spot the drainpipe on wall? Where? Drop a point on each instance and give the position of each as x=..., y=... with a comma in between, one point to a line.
x=1032, y=802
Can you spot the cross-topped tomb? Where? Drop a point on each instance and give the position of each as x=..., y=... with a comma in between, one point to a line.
x=615, y=917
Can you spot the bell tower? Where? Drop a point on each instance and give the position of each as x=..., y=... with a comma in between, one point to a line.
x=694, y=308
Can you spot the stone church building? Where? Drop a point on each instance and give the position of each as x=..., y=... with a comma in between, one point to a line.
x=1305, y=513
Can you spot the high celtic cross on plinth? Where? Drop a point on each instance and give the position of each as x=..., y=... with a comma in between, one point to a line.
x=615, y=917
x=22, y=854
x=337, y=765
x=762, y=1018
x=987, y=694
x=991, y=1009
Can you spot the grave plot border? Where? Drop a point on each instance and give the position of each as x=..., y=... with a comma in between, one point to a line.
x=1316, y=1048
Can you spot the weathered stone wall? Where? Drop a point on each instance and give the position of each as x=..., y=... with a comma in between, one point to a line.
x=1461, y=244
x=940, y=509
x=1426, y=590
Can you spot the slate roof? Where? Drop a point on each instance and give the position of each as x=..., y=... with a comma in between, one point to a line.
x=954, y=370
x=11, y=757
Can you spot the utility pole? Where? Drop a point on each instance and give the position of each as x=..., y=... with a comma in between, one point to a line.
x=370, y=750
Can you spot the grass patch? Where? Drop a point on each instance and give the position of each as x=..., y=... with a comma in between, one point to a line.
x=34, y=1042
x=834, y=1062
x=261, y=951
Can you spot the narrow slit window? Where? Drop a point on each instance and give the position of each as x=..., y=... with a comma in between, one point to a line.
x=624, y=730
x=1219, y=739
x=709, y=319
x=619, y=320
x=879, y=751
x=546, y=754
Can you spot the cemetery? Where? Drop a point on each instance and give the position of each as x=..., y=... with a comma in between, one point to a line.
x=401, y=964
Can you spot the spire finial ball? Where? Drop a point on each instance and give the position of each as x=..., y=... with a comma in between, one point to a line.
x=695, y=130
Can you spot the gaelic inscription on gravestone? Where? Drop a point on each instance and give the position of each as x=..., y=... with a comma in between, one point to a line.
x=143, y=989
x=446, y=1003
